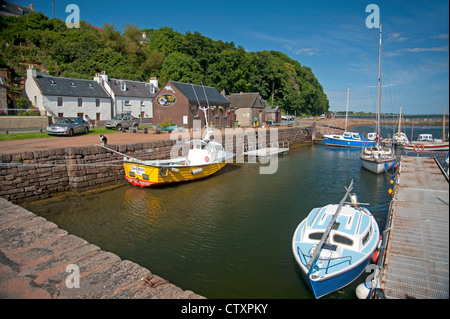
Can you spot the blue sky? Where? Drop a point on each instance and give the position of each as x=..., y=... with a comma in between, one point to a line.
x=328, y=36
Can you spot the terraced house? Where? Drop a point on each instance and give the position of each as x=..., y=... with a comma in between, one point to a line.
x=128, y=96
x=67, y=97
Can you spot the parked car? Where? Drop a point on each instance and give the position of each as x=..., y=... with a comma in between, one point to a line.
x=68, y=126
x=121, y=121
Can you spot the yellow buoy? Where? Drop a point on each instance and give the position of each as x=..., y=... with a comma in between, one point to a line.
x=390, y=191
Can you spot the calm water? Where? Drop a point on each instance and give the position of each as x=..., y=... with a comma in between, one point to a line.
x=227, y=236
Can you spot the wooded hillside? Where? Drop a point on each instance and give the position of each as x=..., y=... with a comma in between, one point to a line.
x=164, y=53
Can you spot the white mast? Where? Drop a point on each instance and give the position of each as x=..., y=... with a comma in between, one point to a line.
x=346, y=113
x=379, y=94
x=399, y=120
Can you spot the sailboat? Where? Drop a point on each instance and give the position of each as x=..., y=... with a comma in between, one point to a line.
x=334, y=244
x=205, y=157
x=426, y=142
x=378, y=158
x=400, y=137
x=348, y=139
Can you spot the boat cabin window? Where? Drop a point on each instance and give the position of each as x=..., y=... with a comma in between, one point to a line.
x=355, y=136
x=366, y=238
x=342, y=240
x=315, y=236
x=425, y=137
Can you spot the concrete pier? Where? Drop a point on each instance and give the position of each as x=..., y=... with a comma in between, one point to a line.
x=40, y=261
x=416, y=264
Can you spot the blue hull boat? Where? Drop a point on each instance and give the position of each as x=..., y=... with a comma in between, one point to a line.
x=334, y=244
x=349, y=139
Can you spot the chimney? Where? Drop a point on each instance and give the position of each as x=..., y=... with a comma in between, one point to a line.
x=97, y=78
x=31, y=6
x=223, y=93
x=31, y=71
x=153, y=84
x=104, y=76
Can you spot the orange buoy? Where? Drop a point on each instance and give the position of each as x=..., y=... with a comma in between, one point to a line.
x=375, y=256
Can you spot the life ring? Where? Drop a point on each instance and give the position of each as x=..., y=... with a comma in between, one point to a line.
x=163, y=172
x=206, y=159
x=418, y=148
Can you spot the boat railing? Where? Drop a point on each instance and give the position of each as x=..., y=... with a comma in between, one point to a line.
x=344, y=259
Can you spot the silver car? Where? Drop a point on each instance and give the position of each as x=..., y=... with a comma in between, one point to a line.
x=121, y=121
x=68, y=126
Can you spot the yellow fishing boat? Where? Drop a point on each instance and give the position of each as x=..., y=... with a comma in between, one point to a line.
x=204, y=158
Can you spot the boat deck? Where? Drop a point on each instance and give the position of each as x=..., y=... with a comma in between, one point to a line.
x=417, y=254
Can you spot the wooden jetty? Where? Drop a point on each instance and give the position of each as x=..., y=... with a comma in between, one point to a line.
x=38, y=260
x=416, y=264
x=253, y=150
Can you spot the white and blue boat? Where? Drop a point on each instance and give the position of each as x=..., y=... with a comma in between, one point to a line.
x=349, y=139
x=334, y=244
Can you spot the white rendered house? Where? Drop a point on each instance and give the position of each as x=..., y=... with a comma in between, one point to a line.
x=133, y=97
x=67, y=97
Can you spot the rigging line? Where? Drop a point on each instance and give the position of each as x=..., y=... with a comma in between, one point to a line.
x=204, y=92
x=199, y=105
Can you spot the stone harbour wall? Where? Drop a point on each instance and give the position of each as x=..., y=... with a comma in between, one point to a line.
x=36, y=175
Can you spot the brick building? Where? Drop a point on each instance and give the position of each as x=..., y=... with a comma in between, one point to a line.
x=179, y=103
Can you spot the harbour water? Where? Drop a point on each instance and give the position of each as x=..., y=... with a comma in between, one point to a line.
x=227, y=236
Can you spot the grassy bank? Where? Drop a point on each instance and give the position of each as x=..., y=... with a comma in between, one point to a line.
x=30, y=135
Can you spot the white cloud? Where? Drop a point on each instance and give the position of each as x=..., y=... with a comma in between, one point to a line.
x=306, y=51
x=397, y=37
x=416, y=50
x=441, y=36
x=435, y=49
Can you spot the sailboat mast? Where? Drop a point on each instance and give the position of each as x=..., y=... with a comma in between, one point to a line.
x=379, y=92
x=346, y=113
x=443, y=128
x=400, y=121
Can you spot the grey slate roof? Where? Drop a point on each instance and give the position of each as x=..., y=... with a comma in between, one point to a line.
x=58, y=86
x=12, y=9
x=212, y=95
x=134, y=89
x=247, y=100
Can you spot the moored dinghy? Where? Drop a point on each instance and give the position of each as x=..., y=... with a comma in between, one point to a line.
x=334, y=244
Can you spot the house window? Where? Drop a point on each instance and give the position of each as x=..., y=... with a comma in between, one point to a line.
x=123, y=86
x=80, y=101
x=97, y=102
x=80, y=115
x=72, y=84
x=97, y=116
x=127, y=102
x=60, y=114
x=60, y=101
x=142, y=103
